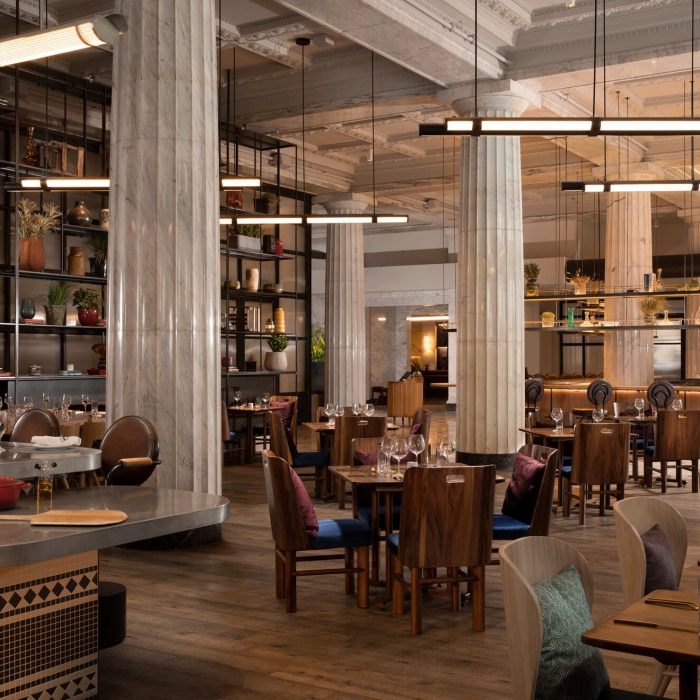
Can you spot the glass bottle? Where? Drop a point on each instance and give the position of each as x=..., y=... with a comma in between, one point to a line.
x=44, y=487
x=570, y=317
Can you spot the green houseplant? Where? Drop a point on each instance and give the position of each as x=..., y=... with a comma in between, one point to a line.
x=318, y=357
x=32, y=227
x=531, y=272
x=244, y=236
x=56, y=302
x=87, y=301
x=98, y=263
x=276, y=361
x=651, y=307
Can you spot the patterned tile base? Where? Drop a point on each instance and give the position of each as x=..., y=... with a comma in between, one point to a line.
x=48, y=629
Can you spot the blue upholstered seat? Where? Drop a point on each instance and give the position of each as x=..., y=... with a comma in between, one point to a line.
x=507, y=528
x=640, y=443
x=237, y=435
x=345, y=532
x=392, y=542
x=567, y=460
x=649, y=451
x=310, y=459
x=364, y=515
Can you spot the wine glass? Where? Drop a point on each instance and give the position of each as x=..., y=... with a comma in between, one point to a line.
x=639, y=405
x=598, y=415
x=448, y=448
x=237, y=397
x=8, y=400
x=339, y=411
x=558, y=417
x=329, y=410
x=66, y=402
x=677, y=405
x=356, y=409
x=27, y=403
x=416, y=444
x=46, y=399
x=400, y=450
x=3, y=426
x=265, y=399
x=85, y=400
x=369, y=409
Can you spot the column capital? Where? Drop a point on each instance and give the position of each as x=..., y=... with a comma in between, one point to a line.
x=495, y=98
x=343, y=202
x=637, y=171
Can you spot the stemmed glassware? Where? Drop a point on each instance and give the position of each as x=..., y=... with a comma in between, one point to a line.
x=66, y=401
x=639, y=405
x=677, y=405
x=400, y=450
x=46, y=399
x=237, y=397
x=339, y=411
x=85, y=400
x=356, y=409
x=329, y=410
x=27, y=403
x=265, y=399
x=368, y=410
x=558, y=418
x=4, y=418
x=416, y=444
x=447, y=446
x=598, y=414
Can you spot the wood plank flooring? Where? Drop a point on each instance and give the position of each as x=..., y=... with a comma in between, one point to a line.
x=206, y=624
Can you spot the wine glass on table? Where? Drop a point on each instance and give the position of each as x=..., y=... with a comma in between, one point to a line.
x=329, y=410
x=416, y=444
x=4, y=418
x=400, y=450
x=85, y=400
x=66, y=402
x=356, y=409
x=265, y=399
x=677, y=405
x=598, y=414
x=448, y=446
x=46, y=399
x=369, y=410
x=27, y=403
x=339, y=411
x=639, y=405
x=558, y=418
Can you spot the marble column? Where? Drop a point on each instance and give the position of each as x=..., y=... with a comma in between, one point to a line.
x=489, y=296
x=163, y=339
x=692, y=303
x=346, y=353
x=628, y=355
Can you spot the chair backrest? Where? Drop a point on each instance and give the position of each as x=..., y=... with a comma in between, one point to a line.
x=225, y=425
x=289, y=399
x=72, y=430
x=661, y=393
x=677, y=435
x=447, y=516
x=288, y=529
x=278, y=438
x=423, y=417
x=599, y=392
x=601, y=453
x=90, y=431
x=534, y=391
x=523, y=563
x=543, y=508
x=633, y=517
x=367, y=445
x=347, y=428
x=35, y=422
x=130, y=436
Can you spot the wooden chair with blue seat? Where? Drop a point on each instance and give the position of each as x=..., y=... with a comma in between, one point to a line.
x=286, y=407
x=232, y=441
x=291, y=535
x=282, y=442
x=534, y=507
x=523, y=563
x=446, y=522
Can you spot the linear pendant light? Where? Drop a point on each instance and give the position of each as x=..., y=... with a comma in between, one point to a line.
x=633, y=186
x=60, y=40
x=442, y=317
x=233, y=182
x=58, y=184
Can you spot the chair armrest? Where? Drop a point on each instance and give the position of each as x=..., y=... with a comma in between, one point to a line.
x=130, y=462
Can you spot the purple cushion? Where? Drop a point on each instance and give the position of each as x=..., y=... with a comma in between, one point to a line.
x=523, y=489
x=370, y=458
x=305, y=506
x=290, y=443
x=416, y=428
x=661, y=572
x=284, y=409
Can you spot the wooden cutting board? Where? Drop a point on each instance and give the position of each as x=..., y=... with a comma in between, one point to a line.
x=80, y=518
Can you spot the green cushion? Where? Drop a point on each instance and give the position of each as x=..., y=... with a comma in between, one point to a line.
x=568, y=668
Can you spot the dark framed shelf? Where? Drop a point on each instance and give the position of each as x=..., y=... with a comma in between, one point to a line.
x=84, y=231
x=52, y=275
x=234, y=294
x=254, y=255
x=59, y=330
x=561, y=295
x=262, y=373
x=260, y=334
x=599, y=329
x=52, y=377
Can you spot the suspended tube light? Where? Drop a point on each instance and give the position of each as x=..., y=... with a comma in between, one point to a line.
x=443, y=317
x=633, y=186
x=233, y=182
x=59, y=184
x=60, y=40
x=357, y=219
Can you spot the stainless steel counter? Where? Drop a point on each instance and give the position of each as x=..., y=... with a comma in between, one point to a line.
x=152, y=513
x=19, y=460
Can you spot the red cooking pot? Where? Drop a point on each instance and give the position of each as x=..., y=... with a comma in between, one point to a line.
x=9, y=492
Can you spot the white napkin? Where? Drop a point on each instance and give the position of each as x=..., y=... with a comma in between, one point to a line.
x=50, y=441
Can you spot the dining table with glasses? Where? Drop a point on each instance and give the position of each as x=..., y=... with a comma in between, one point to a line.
x=22, y=460
x=250, y=412
x=663, y=626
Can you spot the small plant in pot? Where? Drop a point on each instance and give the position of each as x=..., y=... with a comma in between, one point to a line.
x=276, y=361
x=56, y=303
x=547, y=319
x=532, y=273
x=244, y=236
x=651, y=307
x=87, y=301
x=579, y=280
x=98, y=263
x=32, y=228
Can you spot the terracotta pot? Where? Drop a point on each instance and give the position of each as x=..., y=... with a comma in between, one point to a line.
x=275, y=361
x=88, y=317
x=31, y=254
x=9, y=492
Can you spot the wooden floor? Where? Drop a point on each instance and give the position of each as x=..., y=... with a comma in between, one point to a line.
x=206, y=624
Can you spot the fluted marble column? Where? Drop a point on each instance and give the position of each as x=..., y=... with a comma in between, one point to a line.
x=692, y=304
x=346, y=354
x=628, y=355
x=163, y=338
x=489, y=295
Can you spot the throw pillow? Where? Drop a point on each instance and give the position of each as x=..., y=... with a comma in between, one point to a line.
x=290, y=443
x=284, y=409
x=415, y=429
x=568, y=668
x=661, y=572
x=305, y=506
x=523, y=489
x=370, y=458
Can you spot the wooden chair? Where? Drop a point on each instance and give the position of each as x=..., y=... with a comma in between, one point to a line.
x=534, y=391
x=261, y=432
x=92, y=431
x=33, y=423
x=290, y=536
x=446, y=521
x=293, y=420
x=422, y=417
x=601, y=457
x=129, y=451
x=232, y=442
x=661, y=393
x=633, y=517
x=507, y=528
x=523, y=563
x=677, y=438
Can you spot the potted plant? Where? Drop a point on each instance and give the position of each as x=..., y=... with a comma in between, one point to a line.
x=32, y=228
x=595, y=284
x=267, y=204
x=693, y=285
x=318, y=357
x=532, y=272
x=56, y=302
x=276, y=361
x=579, y=281
x=244, y=236
x=650, y=307
x=251, y=364
x=98, y=263
x=547, y=319
x=87, y=301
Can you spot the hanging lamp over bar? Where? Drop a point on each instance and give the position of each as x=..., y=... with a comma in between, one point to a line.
x=59, y=184
x=633, y=186
x=233, y=182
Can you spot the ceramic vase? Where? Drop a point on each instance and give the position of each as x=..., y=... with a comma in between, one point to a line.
x=252, y=279
x=76, y=262
x=27, y=309
x=31, y=157
x=104, y=219
x=88, y=317
x=275, y=361
x=55, y=315
x=32, y=257
x=280, y=326
x=79, y=215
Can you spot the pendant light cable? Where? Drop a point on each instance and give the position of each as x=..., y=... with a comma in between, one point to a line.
x=374, y=155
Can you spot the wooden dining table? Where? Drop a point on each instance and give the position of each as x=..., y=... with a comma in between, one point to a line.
x=250, y=414
x=666, y=633
x=643, y=422
x=328, y=427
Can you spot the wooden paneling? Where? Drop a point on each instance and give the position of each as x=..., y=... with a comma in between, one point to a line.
x=405, y=398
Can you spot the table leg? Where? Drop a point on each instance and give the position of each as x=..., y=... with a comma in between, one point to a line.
x=249, y=437
x=388, y=529
x=375, y=538
x=688, y=681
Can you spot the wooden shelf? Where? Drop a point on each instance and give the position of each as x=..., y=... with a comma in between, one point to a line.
x=54, y=275
x=563, y=295
x=598, y=329
x=263, y=373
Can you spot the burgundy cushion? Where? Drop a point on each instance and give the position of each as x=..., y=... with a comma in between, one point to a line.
x=661, y=572
x=416, y=428
x=305, y=506
x=285, y=409
x=370, y=458
x=523, y=489
x=290, y=442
